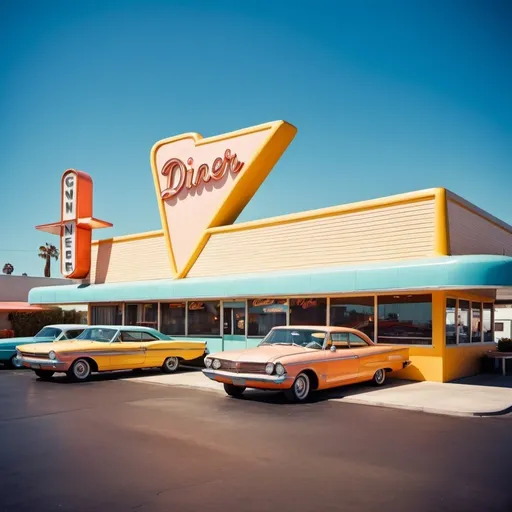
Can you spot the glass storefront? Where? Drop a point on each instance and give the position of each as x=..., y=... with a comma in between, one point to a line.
x=405, y=319
x=204, y=318
x=106, y=315
x=354, y=312
x=308, y=311
x=145, y=315
x=265, y=314
x=172, y=318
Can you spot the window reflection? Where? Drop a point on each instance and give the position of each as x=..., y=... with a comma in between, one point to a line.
x=463, y=321
x=204, y=318
x=265, y=314
x=354, y=312
x=308, y=311
x=451, y=324
x=172, y=318
x=145, y=314
x=405, y=319
x=106, y=315
x=476, y=323
x=488, y=321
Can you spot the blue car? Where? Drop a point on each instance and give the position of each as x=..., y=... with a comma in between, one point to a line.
x=46, y=334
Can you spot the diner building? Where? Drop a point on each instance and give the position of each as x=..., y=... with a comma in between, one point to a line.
x=422, y=269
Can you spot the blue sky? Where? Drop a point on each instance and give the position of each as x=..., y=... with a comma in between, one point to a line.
x=387, y=96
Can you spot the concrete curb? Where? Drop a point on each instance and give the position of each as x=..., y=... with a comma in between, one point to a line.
x=429, y=410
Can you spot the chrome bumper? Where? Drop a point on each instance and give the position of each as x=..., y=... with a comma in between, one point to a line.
x=36, y=364
x=270, y=379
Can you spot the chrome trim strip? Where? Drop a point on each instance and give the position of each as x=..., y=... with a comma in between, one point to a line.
x=271, y=379
x=319, y=361
x=42, y=362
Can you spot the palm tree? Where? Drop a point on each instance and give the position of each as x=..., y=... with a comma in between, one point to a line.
x=47, y=252
x=8, y=269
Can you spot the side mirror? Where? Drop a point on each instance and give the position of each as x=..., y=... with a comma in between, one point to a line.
x=333, y=348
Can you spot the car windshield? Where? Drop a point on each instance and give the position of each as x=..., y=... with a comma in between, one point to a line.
x=307, y=338
x=48, y=332
x=97, y=334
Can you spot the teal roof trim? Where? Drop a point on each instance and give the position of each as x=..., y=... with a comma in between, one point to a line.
x=432, y=273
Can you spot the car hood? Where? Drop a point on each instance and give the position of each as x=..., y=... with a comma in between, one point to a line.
x=57, y=346
x=262, y=354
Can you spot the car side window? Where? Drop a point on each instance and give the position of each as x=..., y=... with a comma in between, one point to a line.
x=130, y=336
x=146, y=336
x=356, y=341
x=340, y=339
x=71, y=335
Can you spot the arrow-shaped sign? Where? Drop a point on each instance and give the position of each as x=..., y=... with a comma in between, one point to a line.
x=204, y=183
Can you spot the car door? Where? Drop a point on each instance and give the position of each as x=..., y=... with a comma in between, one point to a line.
x=127, y=351
x=343, y=366
x=368, y=357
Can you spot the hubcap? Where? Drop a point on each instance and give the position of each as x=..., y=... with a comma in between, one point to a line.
x=301, y=387
x=172, y=363
x=16, y=362
x=81, y=369
x=379, y=376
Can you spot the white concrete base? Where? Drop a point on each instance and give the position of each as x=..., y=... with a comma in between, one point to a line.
x=432, y=397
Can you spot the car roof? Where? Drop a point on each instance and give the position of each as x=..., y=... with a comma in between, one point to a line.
x=125, y=328
x=67, y=326
x=326, y=328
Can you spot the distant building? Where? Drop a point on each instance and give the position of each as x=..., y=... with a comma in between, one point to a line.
x=503, y=322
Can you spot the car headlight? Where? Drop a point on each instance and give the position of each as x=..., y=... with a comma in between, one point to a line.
x=52, y=355
x=280, y=369
x=269, y=368
x=216, y=364
x=207, y=362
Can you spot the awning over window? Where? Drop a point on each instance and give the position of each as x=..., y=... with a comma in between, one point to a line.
x=449, y=272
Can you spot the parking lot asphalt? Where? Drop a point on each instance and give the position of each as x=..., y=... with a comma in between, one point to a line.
x=113, y=445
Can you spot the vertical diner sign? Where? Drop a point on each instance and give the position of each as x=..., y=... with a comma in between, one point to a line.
x=76, y=224
x=68, y=239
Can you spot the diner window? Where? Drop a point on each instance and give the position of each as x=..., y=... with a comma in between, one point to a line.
x=308, y=311
x=405, y=319
x=476, y=322
x=488, y=321
x=172, y=318
x=451, y=324
x=204, y=318
x=106, y=315
x=265, y=314
x=499, y=326
x=463, y=321
x=355, y=312
x=141, y=314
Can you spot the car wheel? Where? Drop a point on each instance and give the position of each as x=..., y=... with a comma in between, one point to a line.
x=14, y=362
x=44, y=374
x=234, y=391
x=171, y=364
x=80, y=371
x=379, y=378
x=300, y=390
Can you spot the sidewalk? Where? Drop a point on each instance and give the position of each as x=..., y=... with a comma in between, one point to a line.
x=482, y=395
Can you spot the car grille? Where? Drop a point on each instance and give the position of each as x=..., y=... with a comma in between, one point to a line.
x=34, y=355
x=240, y=367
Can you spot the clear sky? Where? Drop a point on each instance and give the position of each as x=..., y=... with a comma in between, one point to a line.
x=387, y=96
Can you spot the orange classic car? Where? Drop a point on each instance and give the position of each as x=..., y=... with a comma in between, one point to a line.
x=300, y=359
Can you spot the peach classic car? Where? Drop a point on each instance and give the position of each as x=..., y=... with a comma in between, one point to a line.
x=301, y=359
x=108, y=348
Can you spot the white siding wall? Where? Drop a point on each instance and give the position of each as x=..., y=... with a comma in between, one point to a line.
x=130, y=260
x=385, y=233
x=470, y=233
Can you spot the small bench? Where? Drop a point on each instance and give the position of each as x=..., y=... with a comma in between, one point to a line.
x=503, y=356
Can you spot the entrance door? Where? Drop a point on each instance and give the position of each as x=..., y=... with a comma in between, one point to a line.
x=234, y=327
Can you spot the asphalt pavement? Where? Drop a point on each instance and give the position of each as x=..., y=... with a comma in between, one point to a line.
x=114, y=445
